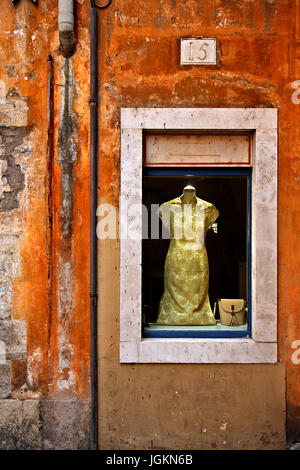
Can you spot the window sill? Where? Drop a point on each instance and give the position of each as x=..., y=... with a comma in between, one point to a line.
x=198, y=350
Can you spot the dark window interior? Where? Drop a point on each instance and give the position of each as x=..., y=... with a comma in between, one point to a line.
x=227, y=250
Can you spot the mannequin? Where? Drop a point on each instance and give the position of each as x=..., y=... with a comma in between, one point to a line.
x=185, y=299
x=189, y=194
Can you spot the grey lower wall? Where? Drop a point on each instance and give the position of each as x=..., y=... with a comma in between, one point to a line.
x=56, y=424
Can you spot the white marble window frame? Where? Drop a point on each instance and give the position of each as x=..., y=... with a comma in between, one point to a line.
x=262, y=346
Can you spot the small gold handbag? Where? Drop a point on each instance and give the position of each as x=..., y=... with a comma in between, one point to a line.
x=232, y=311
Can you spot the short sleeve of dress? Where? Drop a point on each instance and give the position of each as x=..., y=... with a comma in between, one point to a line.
x=164, y=213
x=213, y=215
x=162, y=210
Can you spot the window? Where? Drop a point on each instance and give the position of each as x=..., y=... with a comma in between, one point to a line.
x=228, y=246
x=242, y=254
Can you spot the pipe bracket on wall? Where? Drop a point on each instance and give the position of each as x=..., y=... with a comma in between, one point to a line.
x=66, y=27
x=101, y=7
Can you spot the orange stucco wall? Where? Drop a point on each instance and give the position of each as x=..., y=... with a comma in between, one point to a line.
x=140, y=67
x=51, y=290
x=143, y=406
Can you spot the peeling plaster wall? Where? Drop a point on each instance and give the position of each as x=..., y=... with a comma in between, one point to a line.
x=44, y=227
x=44, y=316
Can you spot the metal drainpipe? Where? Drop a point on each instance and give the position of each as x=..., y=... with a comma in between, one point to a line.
x=66, y=27
x=93, y=220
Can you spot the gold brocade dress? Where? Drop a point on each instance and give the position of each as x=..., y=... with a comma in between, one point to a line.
x=185, y=299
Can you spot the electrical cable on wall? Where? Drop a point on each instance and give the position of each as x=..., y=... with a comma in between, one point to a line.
x=94, y=141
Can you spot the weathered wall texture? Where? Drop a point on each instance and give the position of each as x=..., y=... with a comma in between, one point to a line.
x=161, y=406
x=44, y=228
x=44, y=223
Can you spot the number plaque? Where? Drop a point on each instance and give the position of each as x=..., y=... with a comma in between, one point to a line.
x=198, y=51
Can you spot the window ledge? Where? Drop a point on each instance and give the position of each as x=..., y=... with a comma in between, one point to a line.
x=199, y=350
